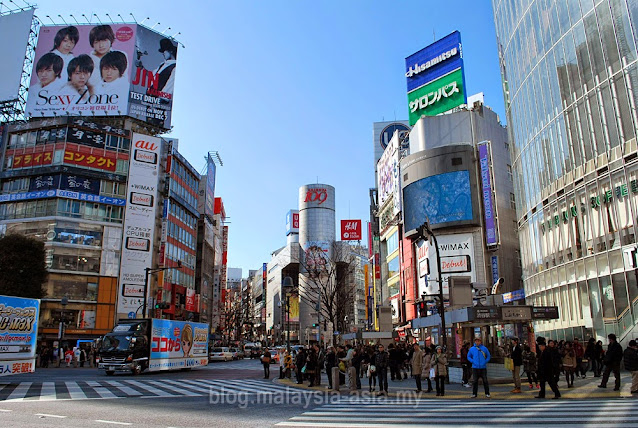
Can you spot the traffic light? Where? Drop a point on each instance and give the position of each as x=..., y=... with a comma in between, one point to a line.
x=162, y=305
x=422, y=309
x=315, y=325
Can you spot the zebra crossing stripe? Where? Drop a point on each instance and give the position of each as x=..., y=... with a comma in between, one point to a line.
x=74, y=390
x=19, y=393
x=155, y=391
x=237, y=386
x=125, y=389
x=191, y=385
x=48, y=391
x=179, y=391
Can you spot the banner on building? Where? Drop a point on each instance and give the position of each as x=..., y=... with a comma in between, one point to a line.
x=105, y=70
x=292, y=222
x=209, y=203
x=351, y=230
x=139, y=221
x=485, y=160
x=18, y=334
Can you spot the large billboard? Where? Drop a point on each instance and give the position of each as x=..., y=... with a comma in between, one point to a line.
x=105, y=70
x=441, y=198
x=139, y=223
x=14, y=33
x=292, y=222
x=435, y=78
x=178, y=345
x=457, y=257
x=18, y=334
x=209, y=196
x=351, y=230
x=388, y=175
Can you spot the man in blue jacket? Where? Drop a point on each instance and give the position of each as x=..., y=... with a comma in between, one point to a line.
x=479, y=356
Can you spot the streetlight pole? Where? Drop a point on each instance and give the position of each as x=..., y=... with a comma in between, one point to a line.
x=287, y=285
x=425, y=228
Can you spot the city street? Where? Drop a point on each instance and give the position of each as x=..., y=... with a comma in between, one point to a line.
x=236, y=394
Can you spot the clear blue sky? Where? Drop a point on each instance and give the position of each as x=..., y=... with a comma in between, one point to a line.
x=287, y=91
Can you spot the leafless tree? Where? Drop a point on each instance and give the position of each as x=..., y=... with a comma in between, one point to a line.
x=329, y=280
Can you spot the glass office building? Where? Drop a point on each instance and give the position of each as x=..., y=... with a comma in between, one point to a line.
x=570, y=83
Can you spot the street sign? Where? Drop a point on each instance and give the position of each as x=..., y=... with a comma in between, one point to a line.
x=545, y=312
x=131, y=315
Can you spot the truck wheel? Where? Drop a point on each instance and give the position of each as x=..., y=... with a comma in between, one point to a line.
x=110, y=372
x=137, y=370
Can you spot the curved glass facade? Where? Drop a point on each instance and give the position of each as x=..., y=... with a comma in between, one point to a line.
x=570, y=79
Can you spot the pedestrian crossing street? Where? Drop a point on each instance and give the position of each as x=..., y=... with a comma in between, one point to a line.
x=377, y=412
x=143, y=388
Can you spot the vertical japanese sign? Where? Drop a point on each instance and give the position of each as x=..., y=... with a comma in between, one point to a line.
x=486, y=183
x=351, y=230
x=209, y=204
x=224, y=271
x=18, y=334
x=495, y=275
x=139, y=221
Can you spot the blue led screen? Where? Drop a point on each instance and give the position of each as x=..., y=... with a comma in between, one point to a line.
x=441, y=198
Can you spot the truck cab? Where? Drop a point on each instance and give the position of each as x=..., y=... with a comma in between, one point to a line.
x=126, y=348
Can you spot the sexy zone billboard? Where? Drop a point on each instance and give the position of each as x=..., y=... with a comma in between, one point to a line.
x=103, y=70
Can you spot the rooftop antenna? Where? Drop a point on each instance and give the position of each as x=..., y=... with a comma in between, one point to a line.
x=87, y=19
x=60, y=16
x=50, y=19
x=175, y=35
x=144, y=20
x=434, y=35
x=133, y=17
x=76, y=21
x=110, y=18
x=97, y=17
x=163, y=32
x=153, y=27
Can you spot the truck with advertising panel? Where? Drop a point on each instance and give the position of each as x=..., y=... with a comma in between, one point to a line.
x=137, y=345
x=18, y=334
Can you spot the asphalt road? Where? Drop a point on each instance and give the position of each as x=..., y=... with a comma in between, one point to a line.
x=235, y=404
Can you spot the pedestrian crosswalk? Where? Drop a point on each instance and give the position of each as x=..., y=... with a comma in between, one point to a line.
x=376, y=412
x=128, y=388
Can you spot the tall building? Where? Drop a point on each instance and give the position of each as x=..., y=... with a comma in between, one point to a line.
x=570, y=81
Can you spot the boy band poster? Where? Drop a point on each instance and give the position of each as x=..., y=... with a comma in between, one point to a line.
x=103, y=70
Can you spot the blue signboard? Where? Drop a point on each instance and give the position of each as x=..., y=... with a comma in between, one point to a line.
x=495, y=276
x=441, y=198
x=514, y=295
x=436, y=60
x=42, y=194
x=18, y=334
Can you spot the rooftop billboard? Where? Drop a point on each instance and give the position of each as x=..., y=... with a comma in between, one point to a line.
x=435, y=79
x=14, y=33
x=114, y=70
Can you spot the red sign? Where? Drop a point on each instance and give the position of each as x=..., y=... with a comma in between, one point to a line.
x=89, y=160
x=190, y=299
x=351, y=230
x=319, y=195
x=28, y=160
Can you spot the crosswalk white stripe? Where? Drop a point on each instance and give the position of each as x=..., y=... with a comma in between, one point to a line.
x=74, y=390
x=229, y=387
x=48, y=391
x=103, y=392
x=20, y=391
x=172, y=388
x=125, y=389
x=190, y=384
x=150, y=388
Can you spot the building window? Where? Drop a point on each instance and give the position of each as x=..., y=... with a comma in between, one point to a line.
x=512, y=201
x=509, y=173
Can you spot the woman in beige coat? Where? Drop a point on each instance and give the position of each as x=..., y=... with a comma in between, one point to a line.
x=426, y=366
x=439, y=363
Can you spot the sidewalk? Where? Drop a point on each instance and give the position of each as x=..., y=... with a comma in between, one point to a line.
x=583, y=389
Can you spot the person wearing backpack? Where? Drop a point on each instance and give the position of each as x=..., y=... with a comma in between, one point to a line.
x=479, y=356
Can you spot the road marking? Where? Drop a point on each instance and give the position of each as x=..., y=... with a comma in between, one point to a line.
x=5, y=410
x=74, y=390
x=172, y=388
x=125, y=389
x=19, y=393
x=113, y=422
x=50, y=416
x=150, y=388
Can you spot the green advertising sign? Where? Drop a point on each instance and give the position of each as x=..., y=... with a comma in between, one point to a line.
x=438, y=96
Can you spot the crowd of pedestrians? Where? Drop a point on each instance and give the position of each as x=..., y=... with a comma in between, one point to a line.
x=429, y=365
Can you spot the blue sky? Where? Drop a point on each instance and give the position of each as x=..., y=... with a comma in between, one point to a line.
x=287, y=91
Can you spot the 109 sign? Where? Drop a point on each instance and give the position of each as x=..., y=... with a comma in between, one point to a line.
x=316, y=195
